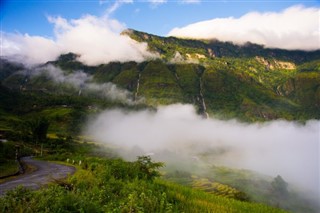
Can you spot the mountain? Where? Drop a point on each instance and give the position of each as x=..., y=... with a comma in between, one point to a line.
x=221, y=79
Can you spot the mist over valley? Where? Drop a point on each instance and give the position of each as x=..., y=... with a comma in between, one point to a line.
x=219, y=115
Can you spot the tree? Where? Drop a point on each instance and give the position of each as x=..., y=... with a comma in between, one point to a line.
x=78, y=117
x=280, y=186
x=147, y=168
x=38, y=128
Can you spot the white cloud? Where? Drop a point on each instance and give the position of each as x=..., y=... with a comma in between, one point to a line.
x=77, y=78
x=101, y=2
x=28, y=49
x=296, y=27
x=83, y=82
x=116, y=5
x=137, y=10
x=155, y=3
x=190, y=1
x=279, y=147
x=96, y=39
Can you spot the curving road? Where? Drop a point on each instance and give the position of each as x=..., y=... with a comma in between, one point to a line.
x=45, y=173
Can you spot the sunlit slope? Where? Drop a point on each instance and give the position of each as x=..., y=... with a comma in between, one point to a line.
x=167, y=47
x=159, y=85
x=248, y=82
x=229, y=90
x=191, y=200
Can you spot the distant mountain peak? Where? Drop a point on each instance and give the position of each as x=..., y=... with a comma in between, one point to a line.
x=202, y=50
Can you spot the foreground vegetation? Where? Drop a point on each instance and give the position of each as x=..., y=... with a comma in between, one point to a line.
x=105, y=183
x=114, y=185
x=245, y=185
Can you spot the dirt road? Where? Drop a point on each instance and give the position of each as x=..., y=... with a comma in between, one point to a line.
x=44, y=174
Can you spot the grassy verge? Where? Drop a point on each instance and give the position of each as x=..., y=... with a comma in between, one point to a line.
x=10, y=167
x=12, y=175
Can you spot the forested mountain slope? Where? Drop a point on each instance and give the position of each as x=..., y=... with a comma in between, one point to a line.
x=221, y=79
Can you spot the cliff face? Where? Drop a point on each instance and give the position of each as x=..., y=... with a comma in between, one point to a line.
x=304, y=88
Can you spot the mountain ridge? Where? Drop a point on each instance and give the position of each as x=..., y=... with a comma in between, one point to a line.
x=215, y=48
x=221, y=79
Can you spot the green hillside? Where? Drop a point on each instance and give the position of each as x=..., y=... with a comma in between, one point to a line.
x=168, y=46
x=248, y=82
x=222, y=80
x=113, y=185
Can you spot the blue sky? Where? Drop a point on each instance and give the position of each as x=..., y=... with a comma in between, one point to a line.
x=30, y=16
x=37, y=31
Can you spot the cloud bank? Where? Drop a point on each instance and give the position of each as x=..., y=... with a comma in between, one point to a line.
x=285, y=148
x=84, y=83
x=296, y=27
x=96, y=39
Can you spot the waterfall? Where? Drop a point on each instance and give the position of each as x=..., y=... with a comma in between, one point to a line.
x=203, y=107
x=138, y=85
x=176, y=75
x=278, y=90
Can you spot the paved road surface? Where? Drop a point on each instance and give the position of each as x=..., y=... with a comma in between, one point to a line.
x=44, y=174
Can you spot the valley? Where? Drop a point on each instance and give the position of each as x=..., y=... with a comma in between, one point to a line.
x=201, y=104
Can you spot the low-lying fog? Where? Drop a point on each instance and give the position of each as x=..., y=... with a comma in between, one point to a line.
x=286, y=148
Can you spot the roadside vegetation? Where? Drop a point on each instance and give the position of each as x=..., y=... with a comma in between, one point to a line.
x=112, y=185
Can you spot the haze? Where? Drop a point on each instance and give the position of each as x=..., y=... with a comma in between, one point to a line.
x=279, y=147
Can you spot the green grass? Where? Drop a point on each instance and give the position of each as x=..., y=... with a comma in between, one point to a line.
x=9, y=167
x=242, y=185
x=113, y=185
x=193, y=200
x=219, y=189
